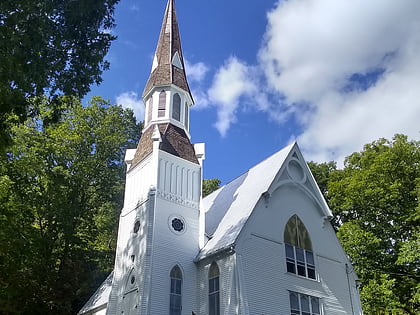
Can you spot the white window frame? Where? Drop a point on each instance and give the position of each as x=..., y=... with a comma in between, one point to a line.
x=214, y=293
x=297, y=243
x=175, y=296
x=305, y=308
x=178, y=104
x=309, y=268
x=162, y=104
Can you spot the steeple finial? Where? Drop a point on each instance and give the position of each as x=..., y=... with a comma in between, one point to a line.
x=168, y=63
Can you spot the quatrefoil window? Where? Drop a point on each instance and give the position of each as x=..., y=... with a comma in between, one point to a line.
x=177, y=224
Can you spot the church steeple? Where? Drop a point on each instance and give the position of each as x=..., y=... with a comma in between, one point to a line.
x=168, y=63
x=167, y=97
x=161, y=226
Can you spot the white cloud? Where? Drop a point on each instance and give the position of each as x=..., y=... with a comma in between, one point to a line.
x=196, y=72
x=347, y=71
x=201, y=98
x=312, y=51
x=230, y=83
x=132, y=100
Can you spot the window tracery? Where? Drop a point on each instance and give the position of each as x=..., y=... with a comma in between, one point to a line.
x=299, y=255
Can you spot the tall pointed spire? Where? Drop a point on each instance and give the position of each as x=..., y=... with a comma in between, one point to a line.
x=168, y=63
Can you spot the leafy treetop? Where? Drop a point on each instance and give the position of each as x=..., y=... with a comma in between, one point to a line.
x=50, y=47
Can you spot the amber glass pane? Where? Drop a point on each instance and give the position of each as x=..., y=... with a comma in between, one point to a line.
x=214, y=271
x=290, y=232
x=304, y=238
x=176, y=273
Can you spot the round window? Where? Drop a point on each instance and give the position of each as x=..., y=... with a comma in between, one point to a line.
x=133, y=279
x=177, y=225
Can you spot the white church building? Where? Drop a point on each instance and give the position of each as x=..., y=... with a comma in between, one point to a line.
x=260, y=245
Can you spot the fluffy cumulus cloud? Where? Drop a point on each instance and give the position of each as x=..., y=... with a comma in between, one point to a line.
x=348, y=71
x=231, y=82
x=133, y=101
x=196, y=72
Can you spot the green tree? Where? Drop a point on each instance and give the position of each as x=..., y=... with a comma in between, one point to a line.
x=61, y=188
x=376, y=200
x=322, y=173
x=52, y=47
x=210, y=185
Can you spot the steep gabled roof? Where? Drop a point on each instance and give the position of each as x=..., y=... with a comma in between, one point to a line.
x=228, y=209
x=100, y=298
x=168, y=64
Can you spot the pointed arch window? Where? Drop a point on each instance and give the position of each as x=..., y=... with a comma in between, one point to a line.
x=298, y=245
x=150, y=110
x=175, y=299
x=162, y=104
x=176, y=107
x=214, y=296
x=186, y=122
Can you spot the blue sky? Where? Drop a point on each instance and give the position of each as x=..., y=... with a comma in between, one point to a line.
x=331, y=74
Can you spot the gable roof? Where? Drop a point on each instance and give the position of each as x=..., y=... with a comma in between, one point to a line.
x=228, y=208
x=100, y=298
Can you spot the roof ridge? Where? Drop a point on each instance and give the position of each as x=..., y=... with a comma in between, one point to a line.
x=254, y=166
x=231, y=206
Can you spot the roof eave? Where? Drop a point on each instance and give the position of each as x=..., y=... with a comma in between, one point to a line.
x=226, y=250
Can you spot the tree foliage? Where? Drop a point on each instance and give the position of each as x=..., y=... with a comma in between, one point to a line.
x=55, y=46
x=375, y=199
x=61, y=188
x=322, y=173
x=210, y=185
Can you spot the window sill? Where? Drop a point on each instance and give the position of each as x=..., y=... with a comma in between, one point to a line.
x=302, y=277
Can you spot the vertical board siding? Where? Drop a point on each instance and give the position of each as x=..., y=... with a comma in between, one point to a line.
x=137, y=187
x=177, y=197
x=179, y=180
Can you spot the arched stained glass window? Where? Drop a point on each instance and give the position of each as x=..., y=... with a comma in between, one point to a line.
x=175, y=300
x=298, y=245
x=162, y=104
x=176, y=107
x=214, y=296
x=296, y=234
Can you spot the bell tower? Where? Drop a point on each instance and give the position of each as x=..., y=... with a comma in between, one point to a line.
x=167, y=95
x=161, y=227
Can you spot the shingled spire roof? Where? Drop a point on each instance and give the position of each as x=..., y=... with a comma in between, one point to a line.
x=168, y=64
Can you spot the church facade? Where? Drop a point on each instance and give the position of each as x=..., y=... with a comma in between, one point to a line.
x=260, y=245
